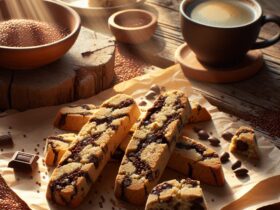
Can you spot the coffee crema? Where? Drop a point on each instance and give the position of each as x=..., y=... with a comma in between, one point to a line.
x=221, y=13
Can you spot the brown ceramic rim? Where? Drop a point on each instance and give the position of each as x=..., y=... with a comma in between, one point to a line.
x=113, y=23
x=77, y=27
x=258, y=16
x=138, y=2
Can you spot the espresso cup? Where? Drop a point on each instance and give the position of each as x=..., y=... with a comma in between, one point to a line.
x=220, y=44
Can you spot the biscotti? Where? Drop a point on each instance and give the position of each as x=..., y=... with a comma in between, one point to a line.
x=74, y=117
x=197, y=161
x=86, y=157
x=9, y=200
x=180, y=195
x=150, y=148
x=56, y=146
x=199, y=113
x=244, y=142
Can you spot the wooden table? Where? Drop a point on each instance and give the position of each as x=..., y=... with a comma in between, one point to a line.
x=258, y=96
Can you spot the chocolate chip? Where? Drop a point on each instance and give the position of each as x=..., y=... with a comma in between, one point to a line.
x=150, y=95
x=214, y=141
x=241, y=173
x=6, y=140
x=236, y=165
x=227, y=135
x=203, y=135
x=23, y=161
x=142, y=103
x=156, y=89
x=225, y=157
x=242, y=146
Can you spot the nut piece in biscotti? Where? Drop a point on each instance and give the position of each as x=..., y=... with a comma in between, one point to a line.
x=74, y=117
x=56, y=147
x=244, y=142
x=197, y=161
x=9, y=200
x=86, y=156
x=199, y=113
x=180, y=195
x=150, y=148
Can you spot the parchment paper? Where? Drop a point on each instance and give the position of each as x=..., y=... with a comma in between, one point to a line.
x=31, y=127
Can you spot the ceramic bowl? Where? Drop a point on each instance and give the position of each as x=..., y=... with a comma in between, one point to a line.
x=133, y=26
x=37, y=56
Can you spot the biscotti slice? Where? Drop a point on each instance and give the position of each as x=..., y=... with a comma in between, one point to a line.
x=86, y=156
x=197, y=161
x=150, y=148
x=180, y=195
x=199, y=113
x=244, y=142
x=74, y=117
x=56, y=147
x=9, y=200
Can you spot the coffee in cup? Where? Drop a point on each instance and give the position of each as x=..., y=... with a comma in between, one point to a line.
x=221, y=32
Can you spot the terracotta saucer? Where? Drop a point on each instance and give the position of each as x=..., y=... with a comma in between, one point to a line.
x=193, y=68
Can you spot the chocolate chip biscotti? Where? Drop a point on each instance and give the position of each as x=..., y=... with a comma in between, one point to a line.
x=150, y=148
x=56, y=146
x=180, y=195
x=244, y=142
x=197, y=161
x=86, y=157
x=74, y=117
x=9, y=200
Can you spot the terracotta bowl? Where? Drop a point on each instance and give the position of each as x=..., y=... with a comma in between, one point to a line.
x=133, y=26
x=37, y=56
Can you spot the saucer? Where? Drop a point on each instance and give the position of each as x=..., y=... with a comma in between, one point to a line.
x=195, y=69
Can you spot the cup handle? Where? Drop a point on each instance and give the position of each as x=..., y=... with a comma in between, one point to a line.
x=273, y=40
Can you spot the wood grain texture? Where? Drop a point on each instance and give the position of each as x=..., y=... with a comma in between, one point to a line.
x=85, y=70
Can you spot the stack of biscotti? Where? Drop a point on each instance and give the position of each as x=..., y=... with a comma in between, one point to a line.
x=9, y=200
x=74, y=117
x=180, y=195
x=151, y=146
x=86, y=156
x=197, y=161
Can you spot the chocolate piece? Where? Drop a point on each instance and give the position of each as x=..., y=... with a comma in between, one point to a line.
x=242, y=146
x=241, y=173
x=6, y=140
x=142, y=103
x=214, y=141
x=236, y=165
x=150, y=95
x=156, y=89
x=227, y=135
x=225, y=157
x=203, y=135
x=23, y=161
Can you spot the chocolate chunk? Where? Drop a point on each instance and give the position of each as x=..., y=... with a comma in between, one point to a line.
x=241, y=173
x=6, y=140
x=227, y=135
x=242, y=146
x=23, y=161
x=236, y=165
x=225, y=157
x=142, y=103
x=158, y=189
x=214, y=141
x=156, y=89
x=150, y=95
x=203, y=135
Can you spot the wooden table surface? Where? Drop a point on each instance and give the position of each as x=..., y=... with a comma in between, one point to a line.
x=258, y=96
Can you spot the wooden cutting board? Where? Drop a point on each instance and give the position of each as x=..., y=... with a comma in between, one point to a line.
x=85, y=70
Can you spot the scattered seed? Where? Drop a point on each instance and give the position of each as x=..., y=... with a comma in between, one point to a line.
x=225, y=157
x=156, y=89
x=241, y=173
x=142, y=103
x=150, y=95
x=203, y=135
x=214, y=141
x=236, y=165
x=227, y=135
